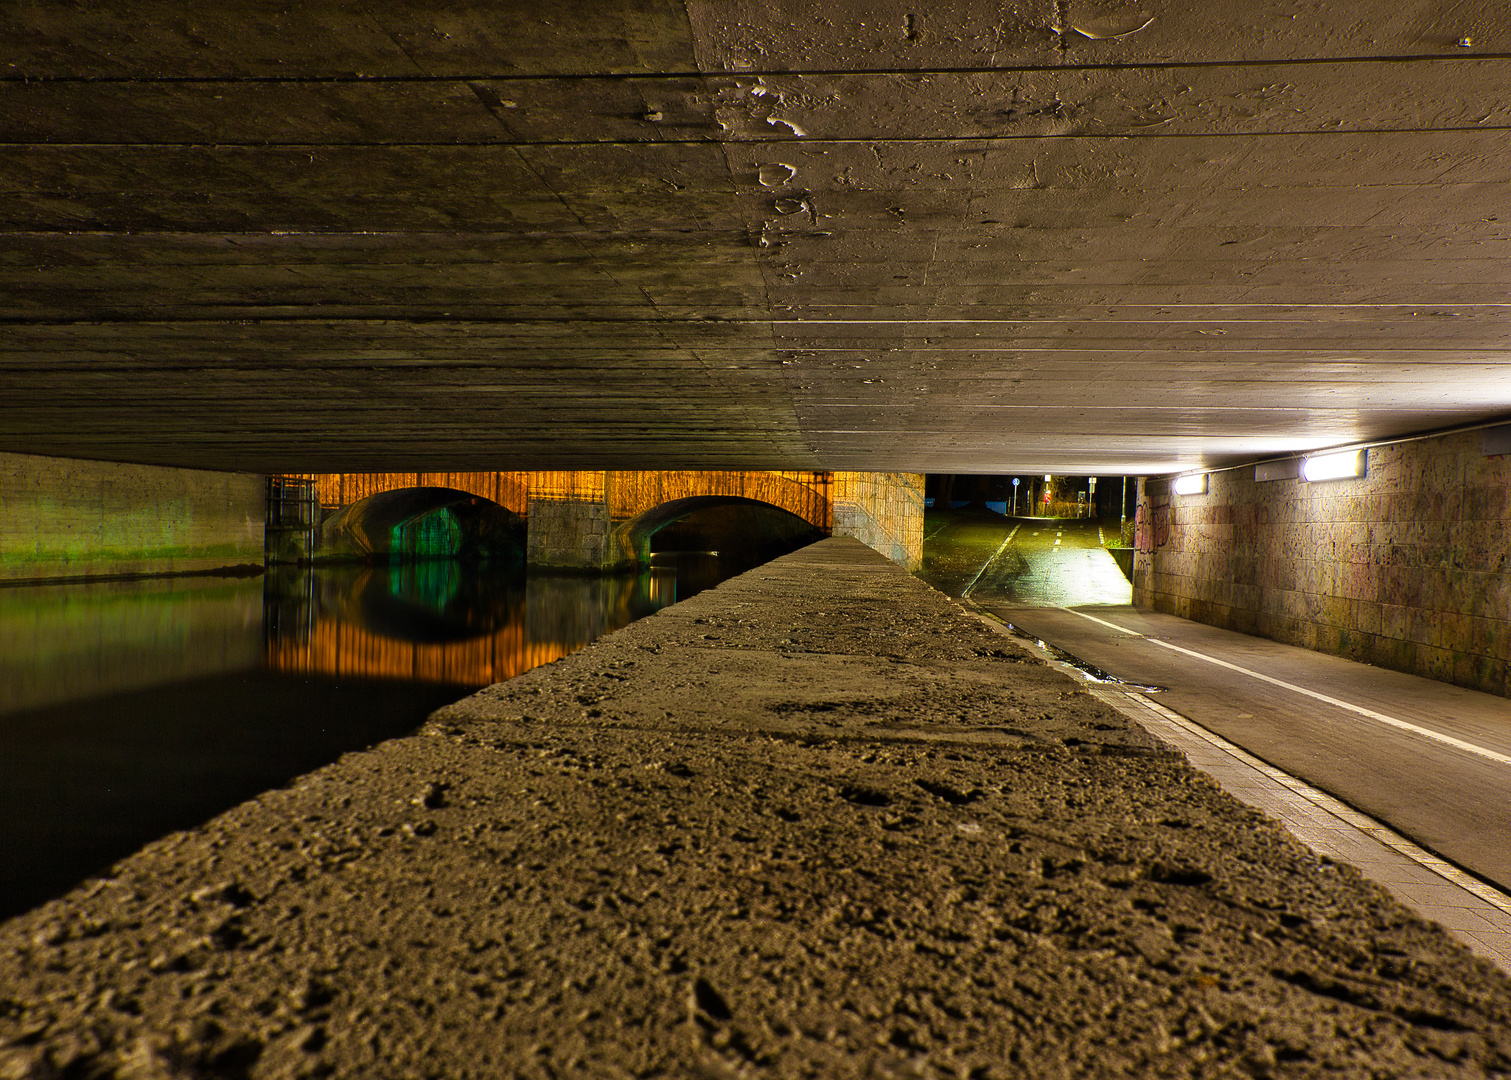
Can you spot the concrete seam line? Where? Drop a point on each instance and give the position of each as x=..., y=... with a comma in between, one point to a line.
x=1346, y=814
x=1000, y=548
x=1368, y=714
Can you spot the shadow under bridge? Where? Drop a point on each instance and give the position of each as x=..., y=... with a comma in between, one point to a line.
x=740, y=530
x=422, y=523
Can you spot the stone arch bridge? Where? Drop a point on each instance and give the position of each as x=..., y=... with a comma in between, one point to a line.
x=602, y=520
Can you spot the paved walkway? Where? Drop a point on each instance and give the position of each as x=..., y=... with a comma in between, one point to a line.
x=819, y=821
x=988, y=558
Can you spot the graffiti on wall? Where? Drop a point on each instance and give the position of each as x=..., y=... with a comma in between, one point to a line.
x=1151, y=526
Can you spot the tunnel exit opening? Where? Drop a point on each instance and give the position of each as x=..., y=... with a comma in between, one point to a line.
x=1028, y=539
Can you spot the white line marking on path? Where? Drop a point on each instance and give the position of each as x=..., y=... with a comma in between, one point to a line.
x=1104, y=622
x=937, y=531
x=1000, y=548
x=1368, y=714
x=1324, y=824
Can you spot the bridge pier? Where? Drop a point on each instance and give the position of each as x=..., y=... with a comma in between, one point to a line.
x=884, y=511
x=574, y=534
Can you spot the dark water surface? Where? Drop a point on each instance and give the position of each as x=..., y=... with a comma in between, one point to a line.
x=131, y=709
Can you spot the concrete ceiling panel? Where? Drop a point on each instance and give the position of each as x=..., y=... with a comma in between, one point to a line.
x=1083, y=235
x=334, y=39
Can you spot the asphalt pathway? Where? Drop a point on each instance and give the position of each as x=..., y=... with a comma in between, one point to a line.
x=1431, y=760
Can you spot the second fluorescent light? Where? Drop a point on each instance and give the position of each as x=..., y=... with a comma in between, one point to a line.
x=1339, y=466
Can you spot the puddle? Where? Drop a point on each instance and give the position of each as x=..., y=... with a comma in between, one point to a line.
x=1090, y=672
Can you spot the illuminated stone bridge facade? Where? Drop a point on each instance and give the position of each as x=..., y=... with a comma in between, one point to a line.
x=604, y=519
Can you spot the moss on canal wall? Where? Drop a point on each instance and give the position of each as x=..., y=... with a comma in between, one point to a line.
x=63, y=518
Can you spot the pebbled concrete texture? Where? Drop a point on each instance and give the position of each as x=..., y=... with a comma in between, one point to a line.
x=818, y=821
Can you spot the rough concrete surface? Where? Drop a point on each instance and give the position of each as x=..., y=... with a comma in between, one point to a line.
x=815, y=822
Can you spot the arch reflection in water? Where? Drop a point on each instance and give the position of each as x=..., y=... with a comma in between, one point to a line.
x=450, y=621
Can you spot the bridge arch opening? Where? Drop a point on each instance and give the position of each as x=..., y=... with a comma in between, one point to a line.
x=418, y=564
x=740, y=530
x=423, y=523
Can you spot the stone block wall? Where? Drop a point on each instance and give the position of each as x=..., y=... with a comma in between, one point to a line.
x=883, y=511
x=573, y=534
x=1407, y=567
x=62, y=518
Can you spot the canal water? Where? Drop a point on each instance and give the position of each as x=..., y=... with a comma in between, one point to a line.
x=134, y=708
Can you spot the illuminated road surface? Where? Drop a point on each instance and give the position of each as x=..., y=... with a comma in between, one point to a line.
x=1035, y=561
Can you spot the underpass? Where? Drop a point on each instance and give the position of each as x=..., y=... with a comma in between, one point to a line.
x=1252, y=259
x=1429, y=760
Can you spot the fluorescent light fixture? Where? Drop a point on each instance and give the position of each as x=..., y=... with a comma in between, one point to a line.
x=1338, y=466
x=1191, y=484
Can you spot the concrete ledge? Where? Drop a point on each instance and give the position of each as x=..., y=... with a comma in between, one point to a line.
x=817, y=821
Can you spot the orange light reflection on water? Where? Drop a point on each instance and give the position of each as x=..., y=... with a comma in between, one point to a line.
x=334, y=647
x=431, y=622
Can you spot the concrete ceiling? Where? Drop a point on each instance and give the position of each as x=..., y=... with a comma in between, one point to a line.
x=1075, y=236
